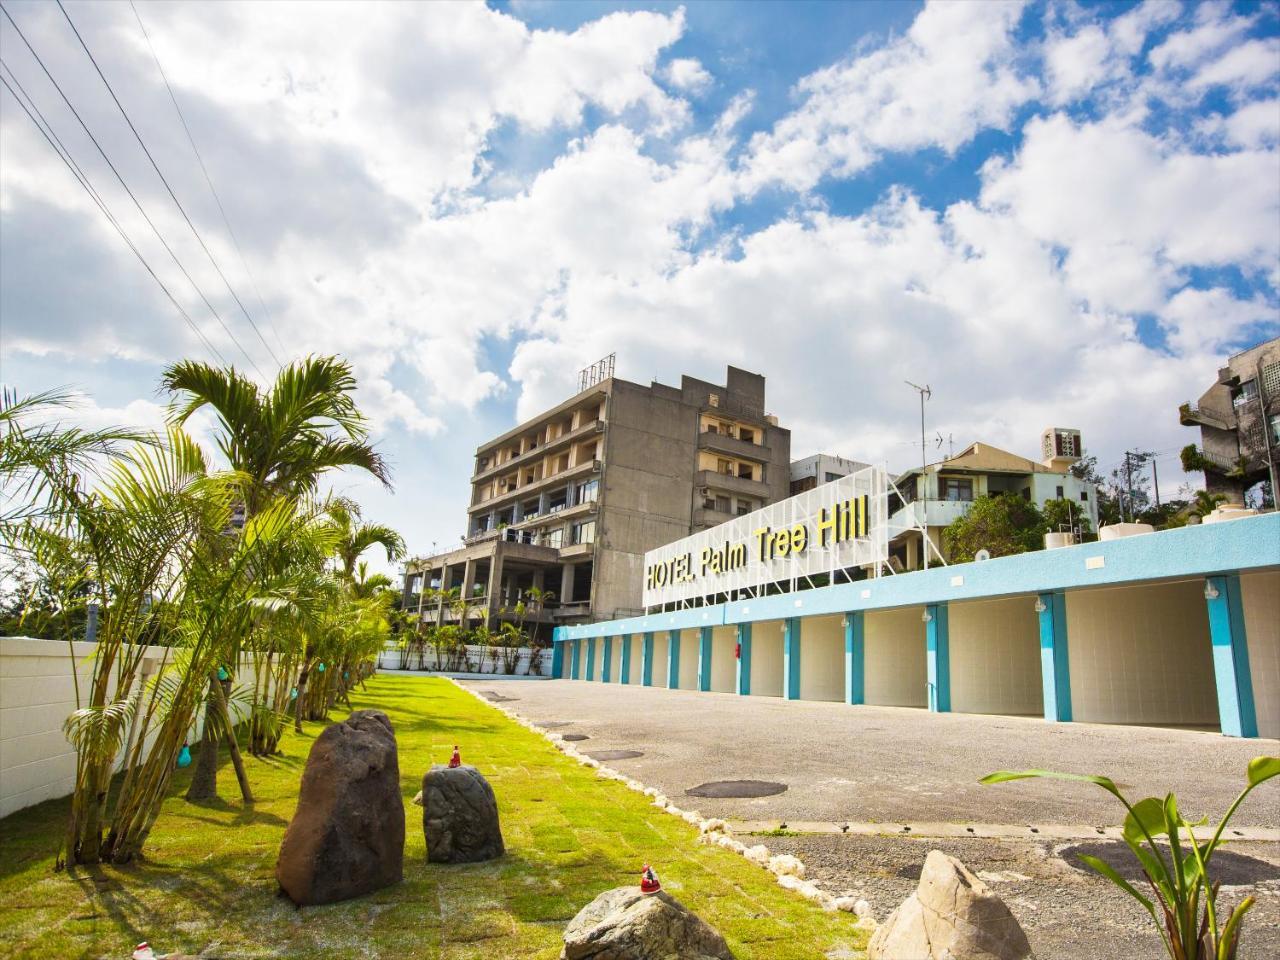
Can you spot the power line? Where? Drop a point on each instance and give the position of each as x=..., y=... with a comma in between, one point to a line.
x=50, y=137
x=216, y=199
x=173, y=196
x=137, y=203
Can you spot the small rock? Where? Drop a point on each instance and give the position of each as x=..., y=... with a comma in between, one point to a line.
x=625, y=924
x=951, y=916
x=460, y=816
x=346, y=837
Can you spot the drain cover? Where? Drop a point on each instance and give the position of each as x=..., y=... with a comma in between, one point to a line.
x=736, y=789
x=615, y=754
x=1232, y=869
x=575, y=737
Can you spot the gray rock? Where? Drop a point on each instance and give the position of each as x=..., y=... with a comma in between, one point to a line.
x=346, y=837
x=952, y=916
x=625, y=924
x=460, y=816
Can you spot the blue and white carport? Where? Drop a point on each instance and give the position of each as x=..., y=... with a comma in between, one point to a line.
x=1176, y=628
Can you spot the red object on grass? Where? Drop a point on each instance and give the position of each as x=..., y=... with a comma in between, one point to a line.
x=456, y=759
x=649, y=880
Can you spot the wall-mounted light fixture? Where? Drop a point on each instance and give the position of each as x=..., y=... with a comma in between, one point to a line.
x=844, y=621
x=1210, y=591
x=926, y=616
x=1040, y=607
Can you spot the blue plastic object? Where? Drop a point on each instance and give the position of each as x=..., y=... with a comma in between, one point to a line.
x=293, y=695
x=320, y=668
x=184, y=756
x=222, y=674
x=346, y=674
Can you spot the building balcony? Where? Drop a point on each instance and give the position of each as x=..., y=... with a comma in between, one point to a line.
x=529, y=456
x=940, y=513
x=581, y=471
x=729, y=483
x=1193, y=415
x=733, y=447
x=704, y=518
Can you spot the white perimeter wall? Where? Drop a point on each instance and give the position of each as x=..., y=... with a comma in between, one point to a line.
x=995, y=657
x=724, y=665
x=897, y=674
x=766, y=658
x=689, y=659
x=822, y=658
x=660, y=645
x=1260, y=597
x=1142, y=654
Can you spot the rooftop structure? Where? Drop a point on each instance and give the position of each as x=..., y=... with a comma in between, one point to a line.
x=819, y=469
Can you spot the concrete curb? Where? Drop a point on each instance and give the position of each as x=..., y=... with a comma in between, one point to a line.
x=788, y=870
x=986, y=831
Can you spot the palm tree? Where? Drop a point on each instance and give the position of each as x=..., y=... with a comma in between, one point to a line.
x=284, y=438
x=355, y=537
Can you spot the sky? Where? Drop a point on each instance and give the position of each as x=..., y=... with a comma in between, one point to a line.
x=1059, y=214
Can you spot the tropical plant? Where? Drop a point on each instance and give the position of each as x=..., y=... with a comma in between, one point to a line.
x=1002, y=524
x=1205, y=502
x=1177, y=870
x=355, y=537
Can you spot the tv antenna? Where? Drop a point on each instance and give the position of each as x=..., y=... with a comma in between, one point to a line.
x=925, y=393
x=602, y=369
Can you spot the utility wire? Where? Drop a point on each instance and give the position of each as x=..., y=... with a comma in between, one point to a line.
x=173, y=196
x=216, y=199
x=137, y=203
x=50, y=137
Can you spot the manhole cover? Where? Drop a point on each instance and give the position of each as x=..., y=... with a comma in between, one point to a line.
x=1232, y=869
x=615, y=754
x=575, y=737
x=736, y=789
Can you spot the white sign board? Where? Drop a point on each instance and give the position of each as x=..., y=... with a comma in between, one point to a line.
x=844, y=523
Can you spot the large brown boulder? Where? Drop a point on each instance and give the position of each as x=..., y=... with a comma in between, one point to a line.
x=625, y=924
x=347, y=835
x=460, y=816
x=952, y=916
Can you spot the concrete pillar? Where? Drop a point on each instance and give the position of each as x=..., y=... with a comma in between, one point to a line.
x=646, y=660
x=624, y=672
x=608, y=659
x=673, y=660
x=557, y=659
x=855, y=657
x=704, y=659
x=543, y=500
x=539, y=578
x=591, y=658
x=791, y=659
x=1230, y=656
x=1055, y=672
x=576, y=664
x=744, y=659
x=566, y=583
x=468, y=579
x=938, y=653
x=91, y=624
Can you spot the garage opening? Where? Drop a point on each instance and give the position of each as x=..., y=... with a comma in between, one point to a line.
x=660, y=660
x=1260, y=600
x=896, y=671
x=724, y=659
x=822, y=658
x=689, y=642
x=1142, y=655
x=635, y=667
x=615, y=659
x=766, y=659
x=995, y=657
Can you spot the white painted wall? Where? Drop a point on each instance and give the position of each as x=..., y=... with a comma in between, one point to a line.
x=995, y=657
x=766, y=659
x=822, y=658
x=724, y=663
x=660, y=645
x=897, y=674
x=1260, y=598
x=1142, y=654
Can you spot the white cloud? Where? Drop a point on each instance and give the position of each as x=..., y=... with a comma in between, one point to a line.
x=685, y=73
x=953, y=74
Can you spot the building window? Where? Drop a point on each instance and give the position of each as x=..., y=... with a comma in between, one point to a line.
x=589, y=491
x=831, y=476
x=1271, y=380
x=725, y=467
x=1247, y=394
x=723, y=504
x=1061, y=492
x=553, y=538
x=746, y=471
x=953, y=488
x=1275, y=429
x=1084, y=496
x=709, y=503
x=711, y=428
x=713, y=399
x=746, y=435
x=744, y=507
x=584, y=532
x=1026, y=493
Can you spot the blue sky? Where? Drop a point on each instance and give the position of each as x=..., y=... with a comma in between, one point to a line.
x=1054, y=213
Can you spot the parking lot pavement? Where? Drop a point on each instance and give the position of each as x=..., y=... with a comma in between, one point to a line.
x=894, y=766
x=889, y=764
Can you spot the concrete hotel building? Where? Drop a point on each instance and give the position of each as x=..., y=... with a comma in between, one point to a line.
x=569, y=501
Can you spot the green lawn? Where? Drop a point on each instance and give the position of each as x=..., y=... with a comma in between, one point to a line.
x=208, y=884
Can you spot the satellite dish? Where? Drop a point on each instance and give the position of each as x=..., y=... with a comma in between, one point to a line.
x=983, y=554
